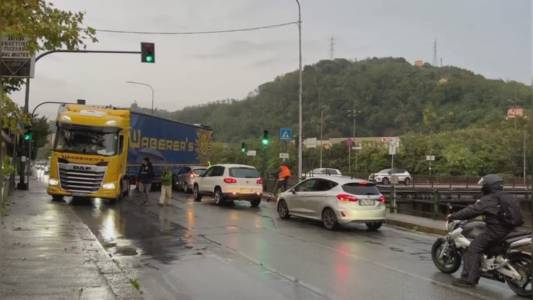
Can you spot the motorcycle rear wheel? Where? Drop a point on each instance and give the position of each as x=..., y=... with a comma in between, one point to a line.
x=522, y=264
x=449, y=262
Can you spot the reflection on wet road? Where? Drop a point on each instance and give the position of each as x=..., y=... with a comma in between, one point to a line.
x=194, y=250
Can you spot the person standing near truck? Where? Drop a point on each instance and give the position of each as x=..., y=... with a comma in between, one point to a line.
x=146, y=175
x=166, y=187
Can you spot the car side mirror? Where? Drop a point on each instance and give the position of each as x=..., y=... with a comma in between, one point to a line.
x=293, y=191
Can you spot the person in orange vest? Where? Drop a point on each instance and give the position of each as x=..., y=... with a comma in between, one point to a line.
x=283, y=176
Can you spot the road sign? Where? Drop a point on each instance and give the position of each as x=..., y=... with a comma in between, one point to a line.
x=15, y=58
x=251, y=153
x=349, y=142
x=357, y=147
x=284, y=155
x=285, y=134
x=430, y=157
x=392, y=147
x=311, y=142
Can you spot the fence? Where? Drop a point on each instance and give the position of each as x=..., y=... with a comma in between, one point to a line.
x=434, y=203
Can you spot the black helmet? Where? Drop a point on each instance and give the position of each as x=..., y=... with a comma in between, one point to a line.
x=491, y=183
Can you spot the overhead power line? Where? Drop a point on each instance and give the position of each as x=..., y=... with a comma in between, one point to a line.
x=197, y=32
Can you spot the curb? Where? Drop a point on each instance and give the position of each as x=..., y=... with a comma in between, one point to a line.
x=416, y=227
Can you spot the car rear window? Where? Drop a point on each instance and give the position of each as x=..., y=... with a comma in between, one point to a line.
x=243, y=173
x=360, y=189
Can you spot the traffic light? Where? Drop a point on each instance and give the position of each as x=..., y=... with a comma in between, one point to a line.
x=148, y=53
x=244, y=148
x=28, y=135
x=265, y=140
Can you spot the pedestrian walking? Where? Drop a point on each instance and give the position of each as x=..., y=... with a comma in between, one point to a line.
x=145, y=176
x=166, y=187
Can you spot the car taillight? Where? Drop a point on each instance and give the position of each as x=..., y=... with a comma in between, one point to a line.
x=259, y=181
x=230, y=180
x=346, y=197
x=382, y=199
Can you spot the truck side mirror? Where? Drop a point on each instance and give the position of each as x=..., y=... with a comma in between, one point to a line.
x=120, y=143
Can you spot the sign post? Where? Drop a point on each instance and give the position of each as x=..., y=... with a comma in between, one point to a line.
x=430, y=158
x=393, y=145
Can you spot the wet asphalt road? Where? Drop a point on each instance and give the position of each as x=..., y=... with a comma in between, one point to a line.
x=192, y=250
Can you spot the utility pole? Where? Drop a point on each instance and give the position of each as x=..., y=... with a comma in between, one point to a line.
x=321, y=134
x=332, y=48
x=435, y=53
x=524, y=158
x=300, y=91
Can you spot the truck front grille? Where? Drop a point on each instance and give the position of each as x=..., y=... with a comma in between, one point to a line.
x=81, y=179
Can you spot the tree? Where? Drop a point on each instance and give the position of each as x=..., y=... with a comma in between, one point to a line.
x=46, y=27
x=40, y=131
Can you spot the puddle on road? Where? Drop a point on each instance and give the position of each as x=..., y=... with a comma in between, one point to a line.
x=127, y=229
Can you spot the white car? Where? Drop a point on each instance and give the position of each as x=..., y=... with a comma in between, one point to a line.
x=334, y=200
x=323, y=171
x=228, y=182
x=385, y=176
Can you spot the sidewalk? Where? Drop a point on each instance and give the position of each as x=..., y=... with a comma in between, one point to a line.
x=417, y=223
x=46, y=252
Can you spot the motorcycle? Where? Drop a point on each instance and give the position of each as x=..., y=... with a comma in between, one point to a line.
x=508, y=261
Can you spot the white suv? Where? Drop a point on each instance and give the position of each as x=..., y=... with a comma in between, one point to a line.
x=228, y=182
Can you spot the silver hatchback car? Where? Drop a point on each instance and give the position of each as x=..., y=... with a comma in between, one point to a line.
x=334, y=200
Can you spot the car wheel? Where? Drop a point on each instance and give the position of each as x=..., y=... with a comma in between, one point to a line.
x=329, y=219
x=196, y=194
x=283, y=209
x=385, y=181
x=255, y=202
x=407, y=181
x=373, y=226
x=219, y=198
x=57, y=198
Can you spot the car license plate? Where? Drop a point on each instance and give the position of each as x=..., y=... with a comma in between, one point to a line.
x=367, y=202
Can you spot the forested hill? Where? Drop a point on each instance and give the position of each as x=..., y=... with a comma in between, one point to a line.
x=391, y=97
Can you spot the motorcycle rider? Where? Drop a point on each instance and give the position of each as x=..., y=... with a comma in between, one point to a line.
x=489, y=207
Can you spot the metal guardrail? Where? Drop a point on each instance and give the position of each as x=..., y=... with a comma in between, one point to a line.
x=433, y=203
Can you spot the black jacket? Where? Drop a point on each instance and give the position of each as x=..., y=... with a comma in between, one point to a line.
x=488, y=206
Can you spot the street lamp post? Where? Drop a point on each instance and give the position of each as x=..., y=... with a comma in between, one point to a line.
x=299, y=90
x=145, y=84
x=353, y=113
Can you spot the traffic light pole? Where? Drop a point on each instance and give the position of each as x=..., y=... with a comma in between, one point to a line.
x=25, y=166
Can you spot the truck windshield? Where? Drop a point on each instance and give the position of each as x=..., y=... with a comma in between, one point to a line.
x=87, y=140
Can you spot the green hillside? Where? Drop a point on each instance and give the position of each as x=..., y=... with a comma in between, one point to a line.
x=392, y=97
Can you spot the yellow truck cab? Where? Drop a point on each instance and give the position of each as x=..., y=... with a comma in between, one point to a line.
x=89, y=157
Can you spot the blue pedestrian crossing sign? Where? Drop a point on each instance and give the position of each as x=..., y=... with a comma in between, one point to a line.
x=285, y=134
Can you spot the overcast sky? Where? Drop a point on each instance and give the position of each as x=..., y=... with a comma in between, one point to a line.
x=490, y=37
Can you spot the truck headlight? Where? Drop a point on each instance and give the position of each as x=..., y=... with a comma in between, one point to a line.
x=53, y=181
x=108, y=186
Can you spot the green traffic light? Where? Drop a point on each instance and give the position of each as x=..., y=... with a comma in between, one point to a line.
x=27, y=136
x=149, y=58
x=264, y=141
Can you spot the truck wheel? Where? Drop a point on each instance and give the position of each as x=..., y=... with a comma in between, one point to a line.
x=407, y=181
x=385, y=181
x=57, y=198
x=196, y=194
